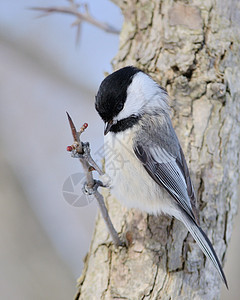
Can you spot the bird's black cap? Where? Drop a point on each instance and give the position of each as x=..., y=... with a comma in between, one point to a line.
x=112, y=92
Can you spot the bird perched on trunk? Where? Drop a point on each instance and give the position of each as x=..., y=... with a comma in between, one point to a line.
x=155, y=177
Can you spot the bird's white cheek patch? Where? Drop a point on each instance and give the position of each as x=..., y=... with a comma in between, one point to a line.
x=142, y=94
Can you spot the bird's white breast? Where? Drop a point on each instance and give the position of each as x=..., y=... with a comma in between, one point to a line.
x=131, y=184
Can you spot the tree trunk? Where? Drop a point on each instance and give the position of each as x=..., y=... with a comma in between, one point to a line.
x=193, y=51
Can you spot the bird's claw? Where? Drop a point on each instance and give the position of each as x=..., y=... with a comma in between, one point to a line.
x=87, y=190
x=85, y=151
x=76, y=154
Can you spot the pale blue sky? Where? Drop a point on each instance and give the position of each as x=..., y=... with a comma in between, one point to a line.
x=42, y=72
x=54, y=37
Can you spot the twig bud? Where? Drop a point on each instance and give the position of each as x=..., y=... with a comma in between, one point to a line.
x=91, y=168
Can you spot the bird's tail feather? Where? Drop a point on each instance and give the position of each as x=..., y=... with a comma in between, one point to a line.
x=204, y=243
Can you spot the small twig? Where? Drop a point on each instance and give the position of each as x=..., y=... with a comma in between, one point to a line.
x=73, y=10
x=82, y=151
x=79, y=26
x=90, y=160
x=107, y=219
x=75, y=135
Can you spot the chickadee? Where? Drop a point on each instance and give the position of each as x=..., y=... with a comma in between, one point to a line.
x=154, y=176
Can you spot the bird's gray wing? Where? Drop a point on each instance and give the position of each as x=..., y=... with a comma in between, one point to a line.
x=164, y=161
x=157, y=147
x=167, y=171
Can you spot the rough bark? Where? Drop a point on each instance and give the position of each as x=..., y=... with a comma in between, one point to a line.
x=192, y=49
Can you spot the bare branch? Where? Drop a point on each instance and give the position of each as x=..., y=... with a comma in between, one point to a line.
x=107, y=219
x=82, y=151
x=73, y=10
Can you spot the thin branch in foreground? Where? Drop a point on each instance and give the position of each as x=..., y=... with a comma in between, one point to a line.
x=73, y=10
x=82, y=151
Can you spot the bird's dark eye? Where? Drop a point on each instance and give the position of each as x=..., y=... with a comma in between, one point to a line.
x=119, y=106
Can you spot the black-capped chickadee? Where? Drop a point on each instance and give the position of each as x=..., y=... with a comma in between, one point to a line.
x=155, y=176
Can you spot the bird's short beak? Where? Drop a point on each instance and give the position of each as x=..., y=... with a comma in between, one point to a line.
x=108, y=126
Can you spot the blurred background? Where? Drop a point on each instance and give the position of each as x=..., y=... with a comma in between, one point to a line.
x=43, y=74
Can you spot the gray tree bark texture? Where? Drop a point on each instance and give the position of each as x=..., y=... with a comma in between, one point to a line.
x=192, y=48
